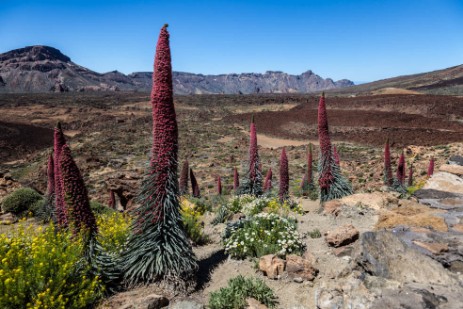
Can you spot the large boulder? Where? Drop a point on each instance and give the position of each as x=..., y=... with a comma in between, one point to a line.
x=443, y=181
x=272, y=266
x=452, y=169
x=342, y=235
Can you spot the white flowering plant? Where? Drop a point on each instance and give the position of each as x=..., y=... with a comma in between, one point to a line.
x=264, y=233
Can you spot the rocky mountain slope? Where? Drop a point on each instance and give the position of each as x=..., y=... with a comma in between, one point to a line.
x=447, y=81
x=46, y=69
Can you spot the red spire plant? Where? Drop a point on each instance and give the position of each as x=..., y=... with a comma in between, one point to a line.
x=332, y=184
x=75, y=195
x=60, y=208
x=401, y=169
x=284, y=176
x=194, y=185
x=112, y=200
x=219, y=185
x=431, y=167
x=388, y=180
x=268, y=181
x=236, y=179
x=183, y=185
x=253, y=184
x=159, y=248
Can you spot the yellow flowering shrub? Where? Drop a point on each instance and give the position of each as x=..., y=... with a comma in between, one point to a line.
x=113, y=231
x=191, y=218
x=43, y=268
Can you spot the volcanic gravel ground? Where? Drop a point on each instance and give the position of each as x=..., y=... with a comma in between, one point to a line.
x=422, y=120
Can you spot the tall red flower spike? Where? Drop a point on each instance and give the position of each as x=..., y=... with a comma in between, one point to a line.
x=388, y=180
x=112, y=200
x=236, y=179
x=194, y=185
x=50, y=176
x=410, y=176
x=332, y=184
x=431, y=167
x=75, y=194
x=401, y=169
x=284, y=176
x=268, y=181
x=253, y=155
x=219, y=185
x=183, y=185
x=60, y=208
x=326, y=174
x=159, y=248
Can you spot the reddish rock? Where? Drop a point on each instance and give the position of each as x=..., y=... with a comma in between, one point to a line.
x=298, y=267
x=332, y=207
x=272, y=266
x=458, y=228
x=342, y=235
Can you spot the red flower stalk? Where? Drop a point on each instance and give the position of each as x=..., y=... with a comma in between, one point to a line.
x=268, y=180
x=401, y=169
x=112, y=200
x=75, y=194
x=326, y=174
x=284, y=176
x=219, y=185
x=194, y=185
x=431, y=167
x=50, y=176
x=410, y=176
x=183, y=185
x=336, y=157
x=236, y=179
x=310, y=166
x=60, y=208
x=387, y=164
x=253, y=155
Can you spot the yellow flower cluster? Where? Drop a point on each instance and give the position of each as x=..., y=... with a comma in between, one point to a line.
x=44, y=268
x=113, y=231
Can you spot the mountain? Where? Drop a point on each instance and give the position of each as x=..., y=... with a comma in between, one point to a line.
x=46, y=69
x=447, y=81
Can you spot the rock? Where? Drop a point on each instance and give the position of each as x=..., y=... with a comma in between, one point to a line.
x=138, y=298
x=186, y=304
x=253, y=303
x=343, y=251
x=452, y=169
x=8, y=218
x=332, y=207
x=238, y=216
x=375, y=200
x=298, y=267
x=444, y=181
x=382, y=254
x=458, y=228
x=272, y=266
x=434, y=248
x=298, y=280
x=342, y=235
x=456, y=160
x=435, y=194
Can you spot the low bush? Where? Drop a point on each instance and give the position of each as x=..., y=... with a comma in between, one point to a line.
x=99, y=208
x=239, y=288
x=263, y=234
x=20, y=200
x=45, y=268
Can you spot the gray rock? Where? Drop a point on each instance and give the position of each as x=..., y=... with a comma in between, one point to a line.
x=456, y=160
x=186, y=304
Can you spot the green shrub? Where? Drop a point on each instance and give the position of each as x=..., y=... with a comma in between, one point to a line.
x=315, y=233
x=99, y=208
x=239, y=288
x=263, y=234
x=45, y=268
x=20, y=200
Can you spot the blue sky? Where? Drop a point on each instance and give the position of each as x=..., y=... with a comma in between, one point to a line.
x=358, y=40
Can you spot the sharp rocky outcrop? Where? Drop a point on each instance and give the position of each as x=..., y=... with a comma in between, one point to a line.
x=46, y=69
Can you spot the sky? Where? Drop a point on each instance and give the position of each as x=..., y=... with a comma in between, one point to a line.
x=362, y=40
